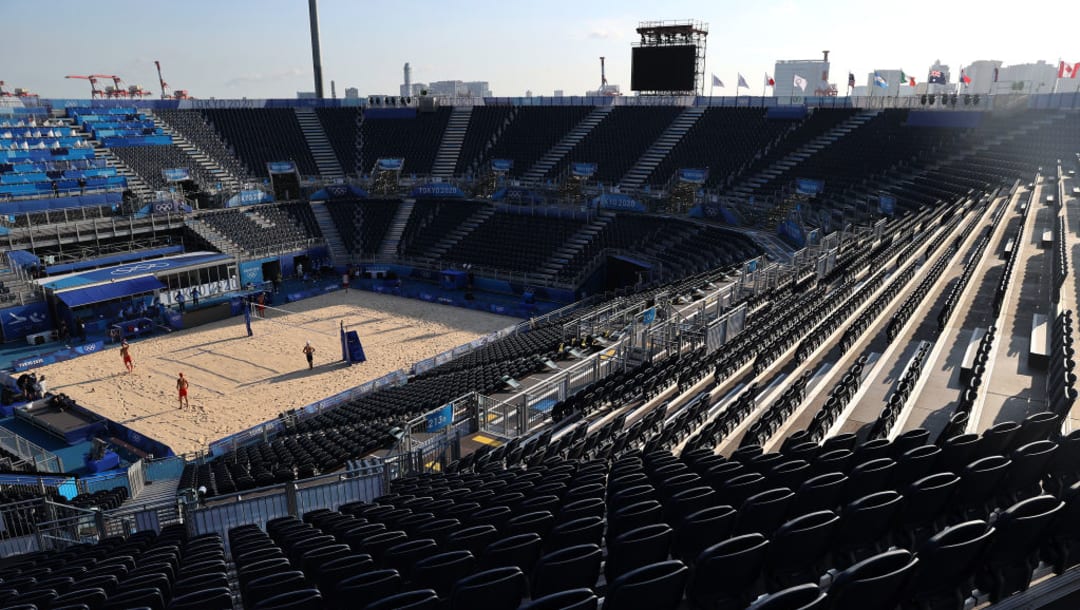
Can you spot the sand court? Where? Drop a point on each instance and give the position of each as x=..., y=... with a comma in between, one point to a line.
x=238, y=381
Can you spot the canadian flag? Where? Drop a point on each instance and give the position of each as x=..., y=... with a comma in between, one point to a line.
x=1068, y=70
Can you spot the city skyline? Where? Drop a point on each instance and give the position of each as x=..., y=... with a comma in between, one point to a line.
x=262, y=49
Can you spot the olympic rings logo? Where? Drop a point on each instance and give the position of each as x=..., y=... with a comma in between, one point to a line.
x=138, y=268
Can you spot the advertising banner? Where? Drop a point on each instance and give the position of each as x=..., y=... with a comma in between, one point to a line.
x=582, y=170
x=17, y=322
x=281, y=167
x=693, y=176
x=176, y=174
x=25, y=364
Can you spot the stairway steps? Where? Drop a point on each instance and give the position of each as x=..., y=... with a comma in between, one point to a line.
x=453, y=237
x=389, y=246
x=339, y=254
x=228, y=181
x=318, y=144
x=539, y=169
x=661, y=148
x=446, y=157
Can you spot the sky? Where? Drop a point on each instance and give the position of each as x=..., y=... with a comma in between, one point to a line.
x=262, y=48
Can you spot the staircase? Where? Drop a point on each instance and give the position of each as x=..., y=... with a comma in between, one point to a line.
x=325, y=158
x=539, y=169
x=389, y=247
x=135, y=183
x=746, y=186
x=229, y=182
x=660, y=149
x=577, y=242
x=460, y=232
x=153, y=493
x=774, y=247
x=210, y=234
x=450, y=147
x=338, y=253
x=14, y=290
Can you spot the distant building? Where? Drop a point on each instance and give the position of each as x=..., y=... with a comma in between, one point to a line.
x=305, y=95
x=457, y=88
x=352, y=93
x=479, y=88
x=814, y=71
x=1038, y=77
x=406, y=88
x=558, y=93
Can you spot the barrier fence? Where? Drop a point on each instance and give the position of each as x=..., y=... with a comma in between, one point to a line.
x=40, y=524
x=43, y=460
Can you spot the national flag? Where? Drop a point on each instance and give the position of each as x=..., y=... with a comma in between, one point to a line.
x=742, y=82
x=964, y=78
x=937, y=77
x=716, y=82
x=769, y=82
x=851, y=80
x=880, y=81
x=800, y=82
x=911, y=81
x=1068, y=70
x=903, y=77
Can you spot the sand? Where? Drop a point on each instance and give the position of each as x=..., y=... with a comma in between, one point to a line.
x=238, y=381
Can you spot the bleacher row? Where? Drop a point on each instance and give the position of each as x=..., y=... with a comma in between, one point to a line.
x=145, y=570
x=263, y=228
x=44, y=158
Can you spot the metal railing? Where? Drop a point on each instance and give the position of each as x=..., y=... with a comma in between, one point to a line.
x=39, y=524
x=44, y=461
x=258, y=506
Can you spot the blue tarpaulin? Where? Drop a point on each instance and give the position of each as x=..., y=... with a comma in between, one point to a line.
x=107, y=292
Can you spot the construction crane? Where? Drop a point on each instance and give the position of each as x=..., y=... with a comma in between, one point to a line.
x=94, y=91
x=117, y=90
x=179, y=94
x=134, y=91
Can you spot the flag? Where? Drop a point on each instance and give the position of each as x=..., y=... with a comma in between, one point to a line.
x=769, y=82
x=1068, y=70
x=903, y=77
x=911, y=81
x=716, y=82
x=937, y=77
x=964, y=78
x=800, y=82
x=851, y=80
x=995, y=74
x=880, y=81
x=742, y=82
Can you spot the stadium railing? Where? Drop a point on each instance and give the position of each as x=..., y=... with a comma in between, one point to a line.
x=44, y=461
x=39, y=524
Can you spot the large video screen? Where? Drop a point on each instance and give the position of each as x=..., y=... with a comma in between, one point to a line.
x=662, y=68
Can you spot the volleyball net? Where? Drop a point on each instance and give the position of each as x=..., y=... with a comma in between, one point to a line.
x=273, y=317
